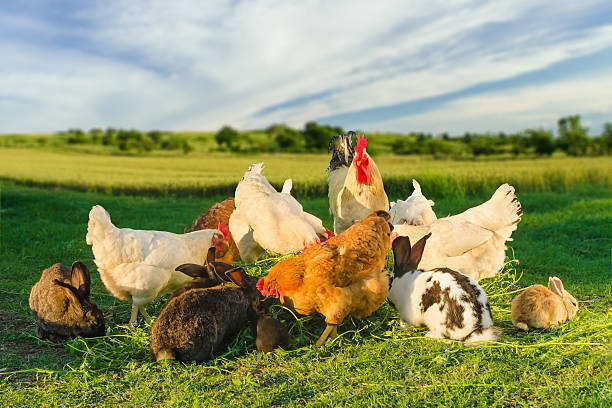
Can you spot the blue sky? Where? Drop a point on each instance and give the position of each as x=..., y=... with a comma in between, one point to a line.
x=435, y=66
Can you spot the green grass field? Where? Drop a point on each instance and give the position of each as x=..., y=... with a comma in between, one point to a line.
x=565, y=231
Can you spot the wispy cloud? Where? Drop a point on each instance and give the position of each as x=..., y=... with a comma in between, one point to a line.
x=198, y=65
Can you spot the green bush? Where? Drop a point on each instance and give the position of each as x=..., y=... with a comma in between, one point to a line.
x=227, y=136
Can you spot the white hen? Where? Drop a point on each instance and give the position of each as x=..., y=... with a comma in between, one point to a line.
x=473, y=241
x=139, y=265
x=415, y=210
x=266, y=220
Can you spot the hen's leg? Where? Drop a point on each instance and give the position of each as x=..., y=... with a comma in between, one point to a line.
x=134, y=315
x=330, y=332
x=144, y=313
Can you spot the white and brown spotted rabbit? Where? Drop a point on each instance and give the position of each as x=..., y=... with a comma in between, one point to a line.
x=452, y=305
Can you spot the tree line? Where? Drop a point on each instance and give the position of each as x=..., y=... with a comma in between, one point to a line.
x=129, y=140
x=572, y=138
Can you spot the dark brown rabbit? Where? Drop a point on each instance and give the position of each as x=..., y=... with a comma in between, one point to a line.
x=199, y=323
x=204, y=315
x=60, y=301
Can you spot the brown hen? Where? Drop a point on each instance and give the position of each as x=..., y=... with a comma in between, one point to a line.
x=342, y=276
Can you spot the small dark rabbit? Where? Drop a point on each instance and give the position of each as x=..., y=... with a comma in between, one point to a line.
x=270, y=332
x=60, y=301
x=199, y=322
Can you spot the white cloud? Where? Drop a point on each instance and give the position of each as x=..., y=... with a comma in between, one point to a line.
x=198, y=65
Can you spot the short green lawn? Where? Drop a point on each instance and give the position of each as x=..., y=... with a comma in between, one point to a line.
x=372, y=363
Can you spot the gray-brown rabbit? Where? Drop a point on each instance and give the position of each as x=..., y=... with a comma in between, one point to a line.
x=199, y=322
x=540, y=308
x=60, y=301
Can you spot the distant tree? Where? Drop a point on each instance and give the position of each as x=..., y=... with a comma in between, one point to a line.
x=227, y=136
x=110, y=137
x=405, y=145
x=541, y=140
x=187, y=147
x=128, y=139
x=76, y=136
x=518, y=143
x=317, y=136
x=286, y=137
x=573, y=138
x=604, y=142
x=96, y=135
x=482, y=145
x=156, y=137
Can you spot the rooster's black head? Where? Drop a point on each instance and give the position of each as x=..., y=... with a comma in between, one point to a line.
x=343, y=150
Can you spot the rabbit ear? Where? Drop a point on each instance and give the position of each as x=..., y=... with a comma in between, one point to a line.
x=220, y=270
x=193, y=270
x=417, y=251
x=238, y=276
x=71, y=292
x=80, y=279
x=401, y=251
x=210, y=255
x=555, y=285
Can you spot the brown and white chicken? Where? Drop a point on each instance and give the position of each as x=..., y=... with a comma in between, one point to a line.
x=355, y=184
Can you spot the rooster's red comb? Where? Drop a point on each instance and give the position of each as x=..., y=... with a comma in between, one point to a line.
x=362, y=142
x=221, y=227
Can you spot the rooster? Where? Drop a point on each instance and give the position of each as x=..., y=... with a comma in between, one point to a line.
x=342, y=276
x=266, y=220
x=218, y=217
x=139, y=265
x=355, y=185
x=473, y=241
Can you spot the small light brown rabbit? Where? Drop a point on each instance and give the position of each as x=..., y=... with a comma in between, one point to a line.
x=540, y=308
x=60, y=301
